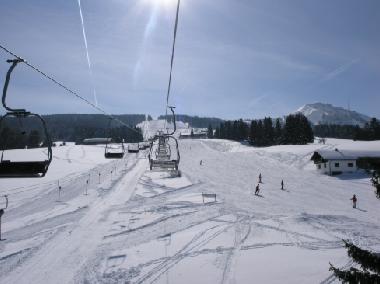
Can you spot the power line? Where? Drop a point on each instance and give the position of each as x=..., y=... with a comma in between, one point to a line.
x=61, y=85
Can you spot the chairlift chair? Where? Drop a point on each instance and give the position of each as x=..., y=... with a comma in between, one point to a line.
x=113, y=153
x=133, y=148
x=161, y=157
x=116, y=152
x=22, y=169
x=4, y=202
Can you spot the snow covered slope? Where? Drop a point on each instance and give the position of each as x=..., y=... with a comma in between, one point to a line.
x=138, y=226
x=150, y=128
x=319, y=113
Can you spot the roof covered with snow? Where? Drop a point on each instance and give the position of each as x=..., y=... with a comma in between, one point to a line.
x=346, y=154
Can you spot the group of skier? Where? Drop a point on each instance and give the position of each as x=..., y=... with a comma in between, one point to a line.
x=257, y=191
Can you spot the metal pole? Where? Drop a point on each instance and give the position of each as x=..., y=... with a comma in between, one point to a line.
x=1, y=214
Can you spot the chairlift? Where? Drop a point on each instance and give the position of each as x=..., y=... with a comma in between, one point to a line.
x=4, y=202
x=133, y=148
x=114, y=150
x=161, y=153
x=10, y=168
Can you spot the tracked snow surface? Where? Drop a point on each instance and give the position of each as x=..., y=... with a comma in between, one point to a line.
x=138, y=226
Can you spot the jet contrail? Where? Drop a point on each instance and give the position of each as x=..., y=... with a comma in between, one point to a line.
x=87, y=53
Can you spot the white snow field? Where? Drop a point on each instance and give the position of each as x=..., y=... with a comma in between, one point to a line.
x=138, y=226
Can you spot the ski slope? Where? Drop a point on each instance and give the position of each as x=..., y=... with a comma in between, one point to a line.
x=150, y=128
x=138, y=226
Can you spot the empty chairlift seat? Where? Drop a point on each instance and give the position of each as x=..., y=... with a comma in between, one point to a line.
x=24, y=153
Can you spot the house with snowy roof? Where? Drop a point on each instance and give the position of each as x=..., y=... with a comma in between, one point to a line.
x=193, y=133
x=335, y=162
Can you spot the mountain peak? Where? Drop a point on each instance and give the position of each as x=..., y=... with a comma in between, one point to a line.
x=320, y=113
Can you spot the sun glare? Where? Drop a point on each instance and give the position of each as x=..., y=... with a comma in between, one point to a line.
x=163, y=3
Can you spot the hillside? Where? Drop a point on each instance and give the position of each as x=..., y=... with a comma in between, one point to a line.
x=319, y=113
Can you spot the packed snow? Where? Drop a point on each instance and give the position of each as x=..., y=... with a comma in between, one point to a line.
x=132, y=225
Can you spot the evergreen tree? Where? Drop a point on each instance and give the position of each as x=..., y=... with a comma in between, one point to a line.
x=369, y=262
x=34, y=139
x=268, y=132
x=217, y=133
x=259, y=133
x=297, y=130
x=278, y=132
x=253, y=132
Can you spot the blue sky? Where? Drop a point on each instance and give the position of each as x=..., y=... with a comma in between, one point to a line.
x=234, y=58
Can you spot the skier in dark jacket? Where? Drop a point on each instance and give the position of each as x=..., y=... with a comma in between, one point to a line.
x=354, y=200
x=282, y=184
x=257, y=191
x=260, y=178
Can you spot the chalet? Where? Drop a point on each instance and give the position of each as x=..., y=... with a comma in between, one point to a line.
x=193, y=133
x=335, y=162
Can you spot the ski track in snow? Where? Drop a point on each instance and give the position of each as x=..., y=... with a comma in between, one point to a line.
x=137, y=226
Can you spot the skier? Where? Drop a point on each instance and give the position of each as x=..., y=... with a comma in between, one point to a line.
x=200, y=163
x=354, y=200
x=282, y=184
x=260, y=181
x=257, y=191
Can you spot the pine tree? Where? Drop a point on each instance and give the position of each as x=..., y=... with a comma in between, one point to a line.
x=297, y=130
x=278, y=132
x=253, y=132
x=369, y=262
x=217, y=133
x=268, y=132
x=259, y=133
x=34, y=139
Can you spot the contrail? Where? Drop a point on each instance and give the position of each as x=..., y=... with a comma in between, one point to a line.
x=87, y=53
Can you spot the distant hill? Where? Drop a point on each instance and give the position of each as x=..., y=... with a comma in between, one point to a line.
x=319, y=113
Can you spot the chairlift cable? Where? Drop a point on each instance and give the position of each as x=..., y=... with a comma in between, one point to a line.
x=172, y=61
x=65, y=88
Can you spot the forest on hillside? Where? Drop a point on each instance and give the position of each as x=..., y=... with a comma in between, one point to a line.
x=18, y=133
x=370, y=131
x=265, y=132
x=195, y=121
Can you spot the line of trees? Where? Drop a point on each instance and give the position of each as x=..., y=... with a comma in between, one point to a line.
x=11, y=139
x=370, y=131
x=295, y=130
x=195, y=121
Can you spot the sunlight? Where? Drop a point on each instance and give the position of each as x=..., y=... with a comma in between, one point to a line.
x=167, y=4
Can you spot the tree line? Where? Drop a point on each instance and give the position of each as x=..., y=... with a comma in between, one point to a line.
x=370, y=131
x=296, y=129
x=11, y=139
x=195, y=121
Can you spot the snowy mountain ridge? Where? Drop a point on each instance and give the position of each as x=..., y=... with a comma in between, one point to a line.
x=320, y=113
